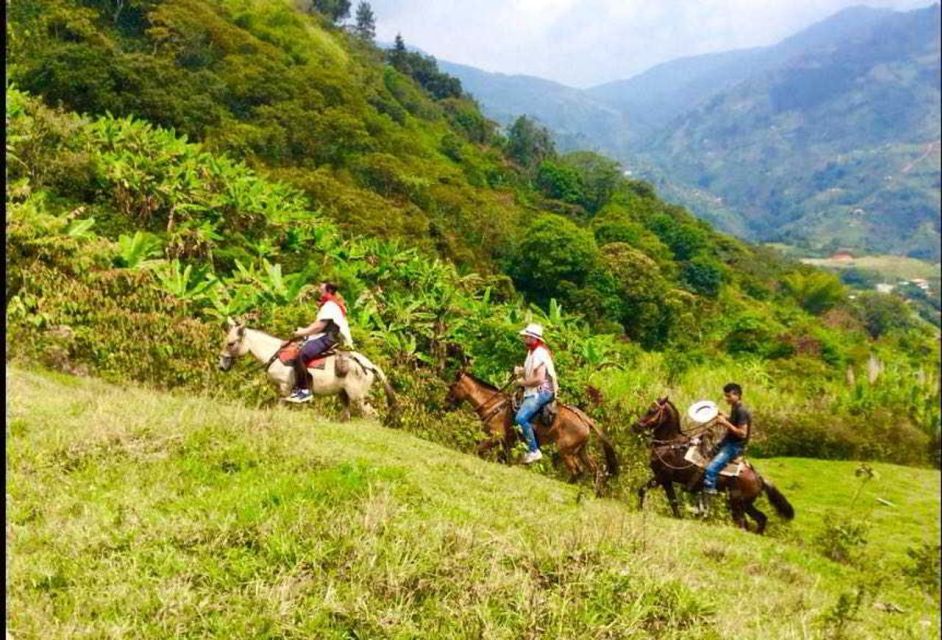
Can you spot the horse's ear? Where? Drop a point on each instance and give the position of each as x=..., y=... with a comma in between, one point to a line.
x=241, y=330
x=230, y=322
x=662, y=400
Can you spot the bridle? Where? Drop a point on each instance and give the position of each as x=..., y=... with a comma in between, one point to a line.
x=228, y=358
x=481, y=409
x=657, y=446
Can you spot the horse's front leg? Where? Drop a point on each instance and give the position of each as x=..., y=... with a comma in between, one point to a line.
x=671, y=497
x=650, y=484
x=486, y=445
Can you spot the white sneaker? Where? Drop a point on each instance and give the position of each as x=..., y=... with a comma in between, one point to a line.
x=532, y=456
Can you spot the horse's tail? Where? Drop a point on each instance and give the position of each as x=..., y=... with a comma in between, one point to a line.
x=611, y=460
x=369, y=366
x=782, y=506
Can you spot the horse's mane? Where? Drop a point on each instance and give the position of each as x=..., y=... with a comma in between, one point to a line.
x=481, y=382
x=675, y=410
x=676, y=417
x=263, y=333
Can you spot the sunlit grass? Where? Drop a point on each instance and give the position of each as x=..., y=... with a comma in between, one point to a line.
x=132, y=513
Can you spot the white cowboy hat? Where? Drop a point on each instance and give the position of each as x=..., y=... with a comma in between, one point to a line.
x=533, y=330
x=703, y=411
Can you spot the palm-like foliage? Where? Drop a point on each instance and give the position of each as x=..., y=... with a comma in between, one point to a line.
x=186, y=283
x=135, y=252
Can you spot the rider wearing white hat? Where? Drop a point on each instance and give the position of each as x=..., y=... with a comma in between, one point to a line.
x=538, y=379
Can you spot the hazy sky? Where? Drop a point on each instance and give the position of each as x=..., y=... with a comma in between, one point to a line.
x=587, y=42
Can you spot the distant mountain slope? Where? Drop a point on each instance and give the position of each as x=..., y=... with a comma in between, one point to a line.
x=837, y=146
x=653, y=98
x=828, y=138
x=578, y=120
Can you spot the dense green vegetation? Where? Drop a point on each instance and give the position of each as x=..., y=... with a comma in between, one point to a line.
x=193, y=517
x=171, y=164
x=445, y=236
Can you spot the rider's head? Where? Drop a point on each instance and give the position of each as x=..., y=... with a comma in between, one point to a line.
x=328, y=287
x=732, y=392
x=532, y=334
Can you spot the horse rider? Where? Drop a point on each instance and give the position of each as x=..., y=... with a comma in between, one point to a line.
x=537, y=376
x=329, y=329
x=738, y=426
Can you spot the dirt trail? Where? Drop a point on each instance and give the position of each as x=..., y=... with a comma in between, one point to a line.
x=929, y=147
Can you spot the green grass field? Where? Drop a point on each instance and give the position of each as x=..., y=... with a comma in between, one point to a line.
x=138, y=514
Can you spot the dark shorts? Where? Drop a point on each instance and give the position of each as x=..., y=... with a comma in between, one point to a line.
x=313, y=348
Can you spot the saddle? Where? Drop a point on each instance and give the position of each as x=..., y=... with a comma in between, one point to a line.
x=700, y=458
x=288, y=356
x=289, y=353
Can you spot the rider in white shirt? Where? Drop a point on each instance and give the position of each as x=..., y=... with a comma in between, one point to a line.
x=329, y=329
x=540, y=385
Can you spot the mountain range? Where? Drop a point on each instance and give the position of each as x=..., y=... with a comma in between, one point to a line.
x=829, y=139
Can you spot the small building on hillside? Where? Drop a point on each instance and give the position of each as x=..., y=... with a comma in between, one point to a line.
x=884, y=287
x=922, y=283
x=842, y=256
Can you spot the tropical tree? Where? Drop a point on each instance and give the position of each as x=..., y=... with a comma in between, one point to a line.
x=528, y=144
x=815, y=291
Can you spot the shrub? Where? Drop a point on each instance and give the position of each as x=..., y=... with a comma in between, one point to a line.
x=926, y=568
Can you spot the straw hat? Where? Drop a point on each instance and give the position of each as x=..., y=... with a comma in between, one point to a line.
x=533, y=330
x=703, y=411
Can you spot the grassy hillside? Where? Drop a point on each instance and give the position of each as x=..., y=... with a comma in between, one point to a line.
x=191, y=517
x=890, y=267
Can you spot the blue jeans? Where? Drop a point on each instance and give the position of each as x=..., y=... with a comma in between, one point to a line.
x=729, y=449
x=530, y=406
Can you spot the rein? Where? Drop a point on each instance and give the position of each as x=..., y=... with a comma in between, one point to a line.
x=493, y=410
x=490, y=413
x=671, y=445
x=272, y=359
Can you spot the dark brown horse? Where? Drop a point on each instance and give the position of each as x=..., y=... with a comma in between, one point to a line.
x=569, y=431
x=668, y=448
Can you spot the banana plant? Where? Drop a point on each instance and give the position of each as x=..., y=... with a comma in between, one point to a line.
x=278, y=288
x=81, y=229
x=135, y=252
x=231, y=301
x=184, y=283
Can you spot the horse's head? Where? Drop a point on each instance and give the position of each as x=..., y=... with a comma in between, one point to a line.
x=657, y=414
x=458, y=390
x=234, y=345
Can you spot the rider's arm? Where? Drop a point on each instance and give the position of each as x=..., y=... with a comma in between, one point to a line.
x=539, y=375
x=739, y=432
x=318, y=326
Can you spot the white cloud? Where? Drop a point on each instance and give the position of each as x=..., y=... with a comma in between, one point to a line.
x=587, y=42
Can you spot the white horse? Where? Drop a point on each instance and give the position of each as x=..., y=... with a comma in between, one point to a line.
x=353, y=388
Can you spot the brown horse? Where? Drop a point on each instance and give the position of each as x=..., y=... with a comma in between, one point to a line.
x=569, y=431
x=668, y=447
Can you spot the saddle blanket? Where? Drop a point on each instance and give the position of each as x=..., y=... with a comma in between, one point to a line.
x=734, y=468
